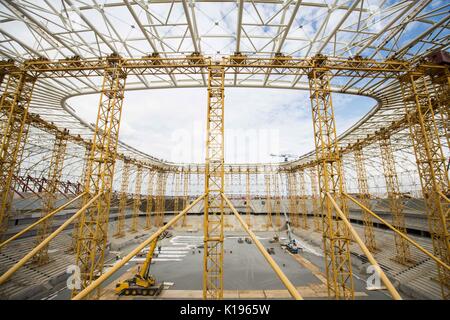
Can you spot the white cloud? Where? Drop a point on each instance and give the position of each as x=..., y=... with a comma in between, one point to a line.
x=170, y=123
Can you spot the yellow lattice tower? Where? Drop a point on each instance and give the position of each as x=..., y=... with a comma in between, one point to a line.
x=76, y=224
x=123, y=200
x=364, y=195
x=214, y=187
x=431, y=165
x=148, y=209
x=186, y=179
x=336, y=238
x=403, y=254
x=176, y=193
x=160, y=198
x=136, y=200
x=277, y=200
x=293, y=199
x=315, y=198
x=303, y=204
x=14, y=104
x=248, y=208
x=93, y=228
x=268, y=201
x=50, y=195
x=441, y=84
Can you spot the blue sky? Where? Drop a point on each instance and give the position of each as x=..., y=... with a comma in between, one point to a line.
x=170, y=123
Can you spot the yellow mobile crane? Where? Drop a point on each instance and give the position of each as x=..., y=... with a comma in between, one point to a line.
x=143, y=283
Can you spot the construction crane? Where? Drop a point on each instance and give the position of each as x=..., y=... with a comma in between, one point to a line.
x=286, y=156
x=143, y=283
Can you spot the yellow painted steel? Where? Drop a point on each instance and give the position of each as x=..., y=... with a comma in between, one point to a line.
x=96, y=283
x=268, y=200
x=186, y=181
x=47, y=216
x=136, y=200
x=49, y=198
x=160, y=198
x=390, y=287
x=399, y=233
x=277, y=200
x=364, y=194
x=93, y=228
x=148, y=208
x=293, y=198
x=286, y=282
x=123, y=201
x=403, y=253
x=176, y=192
x=46, y=241
x=248, y=199
x=302, y=198
x=338, y=265
x=214, y=187
x=315, y=198
x=431, y=164
x=14, y=104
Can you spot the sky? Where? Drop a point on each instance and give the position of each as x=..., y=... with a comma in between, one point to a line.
x=170, y=123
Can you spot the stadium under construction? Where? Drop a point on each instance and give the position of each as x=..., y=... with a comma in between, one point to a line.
x=87, y=215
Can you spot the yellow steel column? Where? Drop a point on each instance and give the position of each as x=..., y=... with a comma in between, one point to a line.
x=403, y=254
x=123, y=201
x=176, y=191
x=14, y=104
x=148, y=209
x=336, y=237
x=214, y=187
x=315, y=198
x=186, y=180
x=93, y=226
x=302, y=197
x=136, y=200
x=441, y=82
x=50, y=196
x=277, y=200
x=268, y=200
x=248, y=208
x=293, y=199
x=431, y=164
x=76, y=224
x=363, y=187
x=160, y=198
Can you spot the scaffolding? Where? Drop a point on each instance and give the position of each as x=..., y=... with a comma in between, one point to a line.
x=431, y=164
x=136, y=200
x=214, y=187
x=364, y=195
x=338, y=266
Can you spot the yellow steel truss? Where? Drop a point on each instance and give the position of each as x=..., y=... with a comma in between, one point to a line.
x=49, y=198
x=136, y=200
x=336, y=237
x=277, y=199
x=160, y=198
x=293, y=198
x=148, y=208
x=186, y=180
x=123, y=200
x=93, y=226
x=214, y=187
x=248, y=199
x=302, y=197
x=315, y=198
x=14, y=104
x=431, y=164
x=403, y=254
x=268, y=200
x=176, y=191
x=364, y=195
